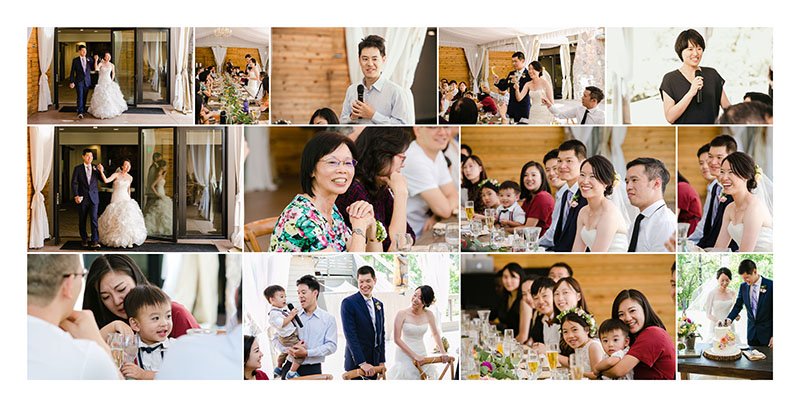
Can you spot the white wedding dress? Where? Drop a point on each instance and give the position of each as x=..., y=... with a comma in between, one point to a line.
x=720, y=309
x=539, y=114
x=404, y=368
x=619, y=243
x=107, y=99
x=158, y=218
x=763, y=241
x=121, y=224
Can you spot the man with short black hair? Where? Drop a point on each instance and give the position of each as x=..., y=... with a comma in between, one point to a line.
x=588, y=112
x=384, y=102
x=561, y=234
x=712, y=192
x=646, y=180
x=85, y=178
x=80, y=75
x=719, y=148
x=363, y=325
x=517, y=110
x=756, y=296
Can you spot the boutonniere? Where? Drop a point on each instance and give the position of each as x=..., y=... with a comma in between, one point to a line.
x=377, y=305
x=574, y=201
x=763, y=289
x=723, y=197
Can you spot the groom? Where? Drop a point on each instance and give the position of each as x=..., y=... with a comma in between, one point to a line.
x=756, y=296
x=363, y=320
x=561, y=234
x=517, y=110
x=84, y=188
x=80, y=75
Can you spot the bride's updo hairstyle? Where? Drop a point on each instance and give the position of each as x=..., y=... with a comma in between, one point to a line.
x=726, y=271
x=743, y=167
x=537, y=66
x=426, y=295
x=603, y=171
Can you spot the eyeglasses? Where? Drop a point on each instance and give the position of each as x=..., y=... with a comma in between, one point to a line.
x=402, y=157
x=332, y=162
x=81, y=273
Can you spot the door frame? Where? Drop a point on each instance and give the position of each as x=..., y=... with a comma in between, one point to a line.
x=175, y=186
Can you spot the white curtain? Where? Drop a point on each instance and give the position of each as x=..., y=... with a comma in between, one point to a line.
x=403, y=48
x=41, y=164
x=584, y=135
x=153, y=52
x=435, y=270
x=236, y=139
x=181, y=46
x=219, y=56
x=202, y=156
x=45, y=58
x=191, y=280
x=566, y=73
x=474, y=63
x=259, y=272
x=263, y=52
x=258, y=174
x=233, y=278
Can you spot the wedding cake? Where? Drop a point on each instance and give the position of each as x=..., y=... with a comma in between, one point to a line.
x=723, y=347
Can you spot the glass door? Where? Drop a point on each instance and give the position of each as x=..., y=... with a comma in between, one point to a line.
x=123, y=56
x=158, y=182
x=203, y=176
x=153, y=64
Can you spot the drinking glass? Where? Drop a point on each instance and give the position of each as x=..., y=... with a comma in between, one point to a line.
x=452, y=235
x=532, y=238
x=683, y=234
x=469, y=208
x=517, y=244
x=508, y=334
x=498, y=237
x=534, y=367
x=475, y=227
x=560, y=374
x=131, y=347
x=403, y=242
x=552, y=356
x=439, y=247
x=575, y=368
x=483, y=315
x=488, y=216
x=117, y=348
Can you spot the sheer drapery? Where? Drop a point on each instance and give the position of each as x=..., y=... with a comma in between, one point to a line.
x=403, y=48
x=148, y=144
x=258, y=273
x=152, y=54
x=182, y=87
x=436, y=273
x=41, y=146
x=45, y=37
x=236, y=140
x=192, y=280
x=566, y=72
x=233, y=279
x=474, y=63
x=202, y=164
x=219, y=56
x=258, y=167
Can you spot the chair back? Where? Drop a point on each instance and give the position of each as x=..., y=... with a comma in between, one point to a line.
x=435, y=359
x=258, y=228
x=380, y=372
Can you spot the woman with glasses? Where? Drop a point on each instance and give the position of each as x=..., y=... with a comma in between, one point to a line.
x=378, y=180
x=312, y=221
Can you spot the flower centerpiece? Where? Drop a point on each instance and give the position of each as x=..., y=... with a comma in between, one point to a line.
x=497, y=366
x=687, y=332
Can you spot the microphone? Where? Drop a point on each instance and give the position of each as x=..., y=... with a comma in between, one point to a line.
x=700, y=91
x=360, y=94
x=296, y=319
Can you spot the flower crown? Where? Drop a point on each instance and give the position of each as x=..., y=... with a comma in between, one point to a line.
x=490, y=181
x=589, y=318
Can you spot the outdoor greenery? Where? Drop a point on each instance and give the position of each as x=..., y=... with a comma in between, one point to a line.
x=694, y=269
x=382, y=262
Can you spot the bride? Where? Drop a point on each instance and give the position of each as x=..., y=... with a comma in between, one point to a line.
x=158, y=217
x=601, y=224
x=107, y=100
x=539, y=88
x=748, y=220
x=410, y=325
x=720, y=301
x=121, y=224
x=252, y=78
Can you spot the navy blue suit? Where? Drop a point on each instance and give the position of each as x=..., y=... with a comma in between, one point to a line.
x=363, y=344
x=564, y=237
x=91, y=199
x=759, y=326
x=82, y=78
x=712, y=228
x=516, y=110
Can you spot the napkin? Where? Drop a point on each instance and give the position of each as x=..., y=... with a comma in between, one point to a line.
x=754, y=354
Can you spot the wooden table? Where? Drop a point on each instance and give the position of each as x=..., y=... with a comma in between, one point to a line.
x=742, y=368
x=428, y=238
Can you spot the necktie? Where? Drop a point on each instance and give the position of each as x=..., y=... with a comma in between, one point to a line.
x=149, y=349
x=586, y=113
x=83, y=63
x=635, y=235
x=753, y=298
x=88, y=173
x=715, y=202
x=564, y=198
x=710, y=210
x=371, y=308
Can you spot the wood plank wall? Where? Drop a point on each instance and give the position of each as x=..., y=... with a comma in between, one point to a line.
x=286, y=145
x=453, y=65
x=205, y=56
x=603, y=276
x=690, y=139
x=309, y=71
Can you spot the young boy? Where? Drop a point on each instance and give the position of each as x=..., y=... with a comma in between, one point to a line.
x=614, y=338
x=150, y=315
x=282, y=320
x=509, y=214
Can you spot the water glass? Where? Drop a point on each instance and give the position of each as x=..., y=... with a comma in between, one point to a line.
x=452, y=235
x=683, y=234
x=439, y=247
x=475, y=227
x=403, y=242
x=532, y=238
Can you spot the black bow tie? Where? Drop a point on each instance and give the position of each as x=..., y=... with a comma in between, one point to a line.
x=149, y=349
x=504, y=210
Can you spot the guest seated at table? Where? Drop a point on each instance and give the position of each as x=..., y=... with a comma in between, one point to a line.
x=690, y=210
x=489, y=198
x=758, y=97
x=252, y=359
x=754, y=112
x=472, y=174
x=62, y=343
x=324, y=116
x=505, y=313
x=464, y=111
x=509, y=215
x=579, y=332
x=150, y=316
x=567, y=294
x=312, y=221
x=652, y=351
x=462, y=90
x=378, y=180
x=111, y=277
x=537, y=202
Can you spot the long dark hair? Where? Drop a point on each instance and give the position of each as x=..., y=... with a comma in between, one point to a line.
x=118, y=263
x=326, y=114
x=248, y=345
x=375, y=150
x=473, y=192
x=743, y=166
x=575, y=286
x=525, y=192
x=650, y=316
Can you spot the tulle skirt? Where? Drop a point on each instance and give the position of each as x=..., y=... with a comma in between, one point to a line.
x=107, y=100
x=158, y=219
x=122, y=224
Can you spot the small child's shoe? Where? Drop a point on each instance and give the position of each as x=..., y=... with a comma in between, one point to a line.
x=292, y=375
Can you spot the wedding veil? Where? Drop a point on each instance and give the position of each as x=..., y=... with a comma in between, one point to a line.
x=619, y=197
x=764, y=192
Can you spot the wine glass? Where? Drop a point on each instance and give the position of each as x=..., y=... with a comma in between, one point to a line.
x=131, y=347
x=488, y=215
x=452, y=235
x=508, y=334
x=469, y=209
x=552, y=356
x=532, y=238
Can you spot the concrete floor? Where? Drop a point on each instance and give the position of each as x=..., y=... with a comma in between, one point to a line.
x=223, y=245
x=171, y=117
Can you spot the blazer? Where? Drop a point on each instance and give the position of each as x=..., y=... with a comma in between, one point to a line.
x=78, y=75
x=759, y=326
x=84, y=188
x=363, y=344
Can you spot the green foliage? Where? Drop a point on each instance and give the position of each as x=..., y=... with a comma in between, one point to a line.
x=694, y=269
x=502, y=367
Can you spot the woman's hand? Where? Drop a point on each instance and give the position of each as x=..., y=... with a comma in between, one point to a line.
x=116, y=327
x=419, y=359
x=398, y=184
x=361, y=215
x=697, y=84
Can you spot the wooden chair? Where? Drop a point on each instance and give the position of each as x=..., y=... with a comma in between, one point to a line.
x=315, y=377
x=380, y=371
x=258, y=228
x=435, y=359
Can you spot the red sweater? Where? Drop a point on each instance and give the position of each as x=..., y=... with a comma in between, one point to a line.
x=540, y=207
x=182, y=320
x=656, y=353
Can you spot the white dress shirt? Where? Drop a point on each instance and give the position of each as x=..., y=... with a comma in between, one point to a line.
x=389, y=101
x=319, y=332
x=513, y=213
x=204, y=357
x=276, y=317
x=549, y=236
x=595, y=116
x=422, y=174
x=697, y=235
x=658, y=225
x=152, y=361
x=551, y=333
x=55, y=355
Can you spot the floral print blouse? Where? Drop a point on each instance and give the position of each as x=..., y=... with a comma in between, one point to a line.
x=301, y=228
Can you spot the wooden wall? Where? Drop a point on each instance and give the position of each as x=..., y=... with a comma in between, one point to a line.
x=205, y=56
x=453, y=65
x=603, y=276
x=286, y=145
x=690, y=139
x=309, y=71
x=504, y=150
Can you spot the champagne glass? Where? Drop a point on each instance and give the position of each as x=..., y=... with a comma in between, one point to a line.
x=115, y=342
x=469, y=209
x=488, y=215
x=575, y=368
x=452, y=235
x=534, y=367
x=552, y=356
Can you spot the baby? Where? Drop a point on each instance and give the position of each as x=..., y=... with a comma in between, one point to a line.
x=150, y=315
x=282, y=320
x=614, y=338
x=509, y=214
